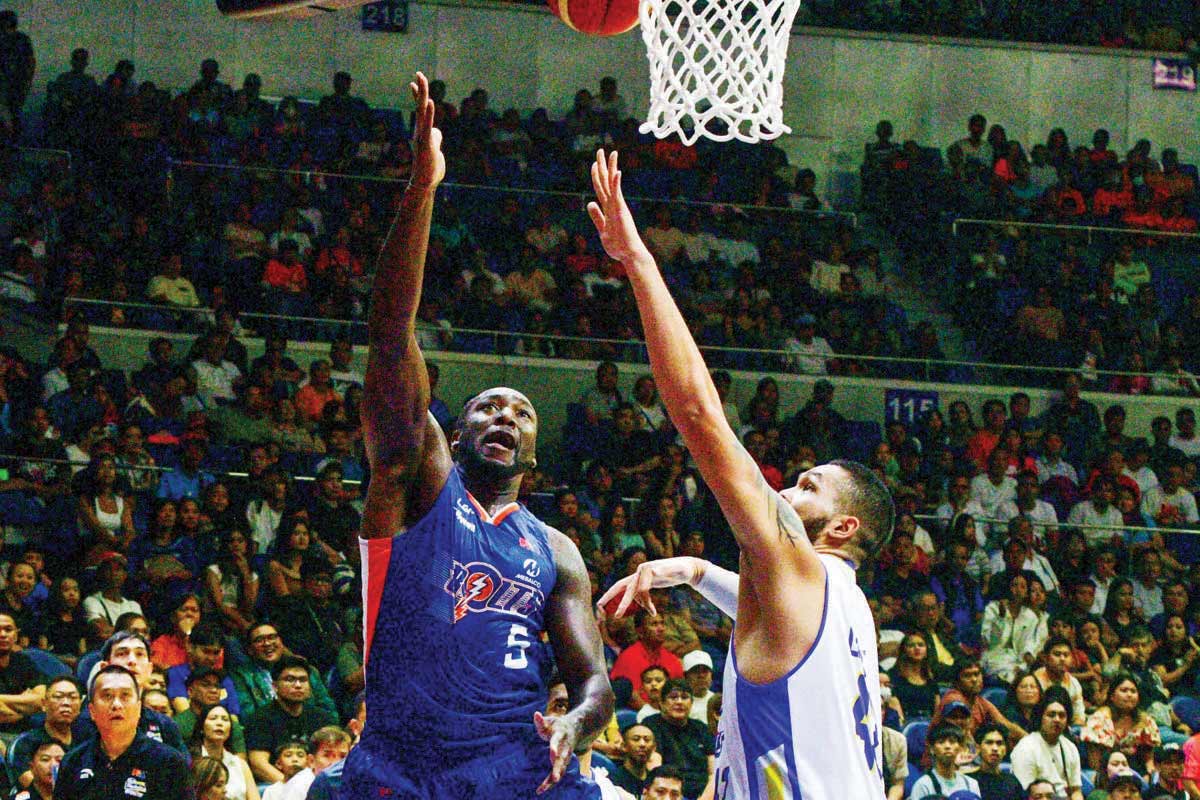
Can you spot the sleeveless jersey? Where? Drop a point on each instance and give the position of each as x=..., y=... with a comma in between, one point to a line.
x=454, y=606
x=813, y=734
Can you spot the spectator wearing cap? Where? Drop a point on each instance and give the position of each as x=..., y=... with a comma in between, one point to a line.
x=944, y=778
x=310, y=622
x=207, y=687
x=105, y=606
x=286, y=717
x=187, y=479
x=808, y=353
x=1168, y=778
x=698, y=672
x=1125, y=787
x=204, y=649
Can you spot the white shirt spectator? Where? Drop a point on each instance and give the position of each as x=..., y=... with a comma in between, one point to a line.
x=810, y=358
x=1144, y=477
x=1101, y=594
x=97, y=606
x=1042, y=515
x=1184, y=502
x=1084, y=513
x=303, y=243
x=990, y=495
x=343, y=379
x=666, y=243
x=1056, y=469
x=53, y=382
x=1190, y=447
x=826, y=277
x=1005, y=639
x=1147, y=599
x=1032, y=759
x=734, y=252
x=1037, y=563
x=15, y=286
x=216, y=381
x=652, y=416
x=698, y=246
x=924, y=787
x=297, y=786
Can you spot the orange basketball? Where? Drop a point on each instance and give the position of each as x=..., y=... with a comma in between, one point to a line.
x=597, y=17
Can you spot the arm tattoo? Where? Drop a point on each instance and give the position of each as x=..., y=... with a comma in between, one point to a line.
x=787, y=521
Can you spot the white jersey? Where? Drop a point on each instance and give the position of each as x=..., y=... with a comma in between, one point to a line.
x=813, y=734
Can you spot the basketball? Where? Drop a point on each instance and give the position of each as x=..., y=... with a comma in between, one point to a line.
x=283, y=9
x=597, y=17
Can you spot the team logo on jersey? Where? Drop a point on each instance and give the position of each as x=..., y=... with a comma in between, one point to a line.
x=865, y=726
x=531, y=567
x=85, y=773
x=479, y=586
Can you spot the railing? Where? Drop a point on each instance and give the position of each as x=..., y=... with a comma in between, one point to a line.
x=52, y=152
x=633, y=350
x=1088, y=229
x=584, y=196
x=10, y=458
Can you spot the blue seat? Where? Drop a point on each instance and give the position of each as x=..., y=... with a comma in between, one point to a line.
x=47, y=663
x=1188, y=710
x=625, y=717
x=603, y=761
x=996, y=695
x=1088, y=779
x=914, y=733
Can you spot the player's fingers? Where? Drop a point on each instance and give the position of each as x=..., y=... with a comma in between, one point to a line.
x=612, y=592
x=597, y=216
x=602, y=168
x=627, y=597
x=612, y=170
x=598, y=185
x=543, y=727
x=645, y=581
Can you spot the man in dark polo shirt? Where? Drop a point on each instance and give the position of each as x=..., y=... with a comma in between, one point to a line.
x=683, y=742
x=630, y=773
x=286, y=717
x=22, y=687
x=121, y=761
x=64, y=698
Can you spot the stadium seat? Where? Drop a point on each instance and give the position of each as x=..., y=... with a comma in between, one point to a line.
x=1088, y=778
x=47, y=663
x=996, y=695
x=604, y=762
x=1188, y=710
x=914, y=733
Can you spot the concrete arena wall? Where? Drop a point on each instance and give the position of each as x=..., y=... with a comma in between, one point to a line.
x=837, y=85
x=553, y=383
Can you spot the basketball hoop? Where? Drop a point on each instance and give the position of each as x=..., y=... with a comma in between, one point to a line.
x=716, y=67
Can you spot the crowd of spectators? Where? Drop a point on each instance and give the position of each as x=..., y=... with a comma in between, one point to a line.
x=1129, y=24
x=1030, y=552
x=1111, y=301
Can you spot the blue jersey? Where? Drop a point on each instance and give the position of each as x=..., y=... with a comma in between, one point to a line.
x=455, y=667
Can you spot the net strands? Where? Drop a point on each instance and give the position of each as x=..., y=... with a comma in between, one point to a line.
x=716, y=67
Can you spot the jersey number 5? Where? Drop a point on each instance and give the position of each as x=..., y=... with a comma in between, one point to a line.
x=518, y=641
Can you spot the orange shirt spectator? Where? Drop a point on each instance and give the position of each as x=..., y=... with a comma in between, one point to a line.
x=310, y=400
x=674, y=154
x=1106, y=201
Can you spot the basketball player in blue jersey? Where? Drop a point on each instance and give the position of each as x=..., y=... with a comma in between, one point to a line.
x=801, y=710
x=460, y=581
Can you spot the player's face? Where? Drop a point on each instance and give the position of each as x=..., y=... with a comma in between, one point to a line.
x=498, y=434
x=558, y=702
x=329, y=754
x=664, y=789
x=814, y=497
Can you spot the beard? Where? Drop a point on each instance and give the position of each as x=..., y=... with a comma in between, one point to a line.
x=474, y=464
x=814, y=524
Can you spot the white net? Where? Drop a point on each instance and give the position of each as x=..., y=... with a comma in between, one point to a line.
x=716, y=67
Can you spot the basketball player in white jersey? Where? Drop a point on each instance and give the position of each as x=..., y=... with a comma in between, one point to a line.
x=801, y=712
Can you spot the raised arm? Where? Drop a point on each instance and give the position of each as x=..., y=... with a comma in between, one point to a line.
x=403, y=441
x=768, y=530
x=717, y=585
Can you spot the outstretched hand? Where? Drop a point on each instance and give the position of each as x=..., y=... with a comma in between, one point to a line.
x=429, y=165
x=561, y=733
x=660, y=574
x=610, y=213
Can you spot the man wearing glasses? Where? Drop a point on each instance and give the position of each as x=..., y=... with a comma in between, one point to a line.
x=252, y=681
x=62, y=704
x=286, y=717
x=121, y=761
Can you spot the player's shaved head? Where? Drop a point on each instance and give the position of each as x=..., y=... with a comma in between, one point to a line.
x=865, y=496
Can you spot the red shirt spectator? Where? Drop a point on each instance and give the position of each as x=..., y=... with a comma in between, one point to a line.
x=286, y=274
x=647, y=651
